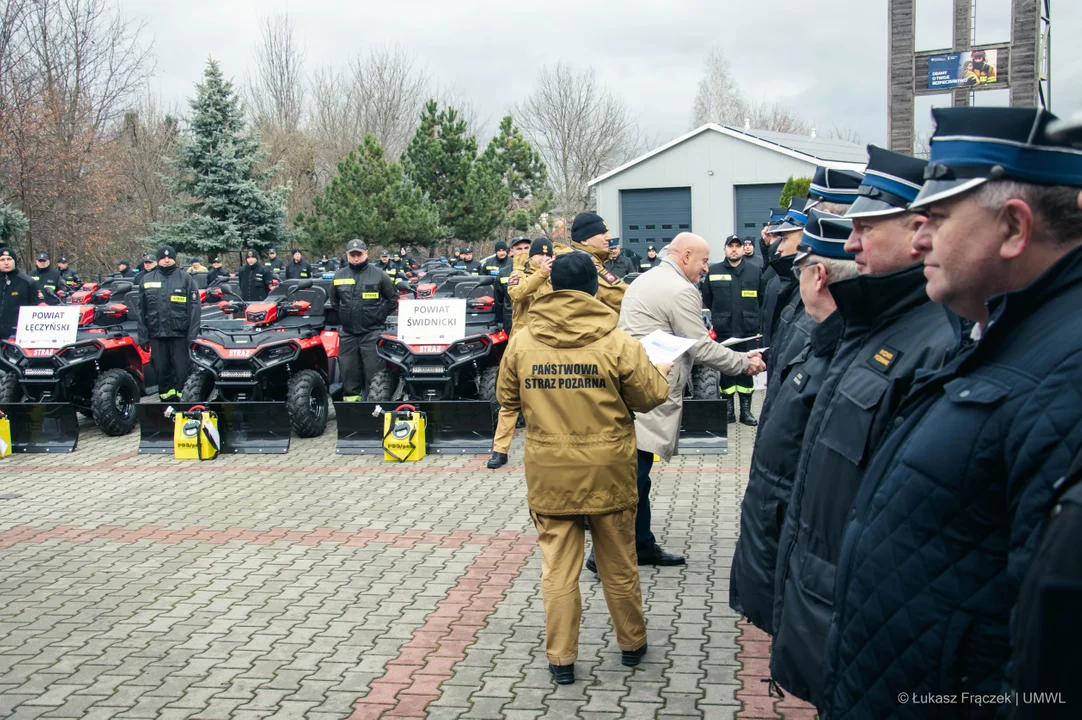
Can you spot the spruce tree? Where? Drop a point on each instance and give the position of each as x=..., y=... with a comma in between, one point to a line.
x=221, y=193
x=12, y=222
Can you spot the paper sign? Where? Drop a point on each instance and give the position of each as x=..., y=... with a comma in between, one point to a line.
x=439, y=322
x=663, y=347
x=736, y=341
x=47, y=326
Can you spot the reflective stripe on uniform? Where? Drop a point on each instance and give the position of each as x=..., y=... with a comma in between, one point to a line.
x=749, y=293
x=715, y=278
x=345, y=281
x=179, y=298
x=152, y=284
x=370, y=296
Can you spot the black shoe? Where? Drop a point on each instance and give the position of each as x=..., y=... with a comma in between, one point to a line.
x=497, y=460
x=633, y=657
x=657, y=556
x=591, y=564
x=746, y=418
x=563, y=674
x=731, y=417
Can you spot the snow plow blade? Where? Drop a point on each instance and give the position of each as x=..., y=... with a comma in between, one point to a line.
x=458, y=427
x=42, y=427
x=245, y=427
x=703, y=428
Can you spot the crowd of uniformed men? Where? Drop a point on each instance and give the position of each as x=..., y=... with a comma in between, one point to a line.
x=910, y=528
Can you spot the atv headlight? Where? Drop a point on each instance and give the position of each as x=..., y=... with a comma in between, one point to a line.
x=277, y=354
x=468, y=348
x=394, y=349
x=77, y=353
x=204, y=355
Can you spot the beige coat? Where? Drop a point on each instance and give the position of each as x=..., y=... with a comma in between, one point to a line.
x=663, y=299
x=578, y=379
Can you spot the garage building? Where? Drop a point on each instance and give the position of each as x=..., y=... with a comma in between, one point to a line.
x=714, y=181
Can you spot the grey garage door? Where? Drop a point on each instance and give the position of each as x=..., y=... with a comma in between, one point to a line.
x=752, y=204
x=653, y=217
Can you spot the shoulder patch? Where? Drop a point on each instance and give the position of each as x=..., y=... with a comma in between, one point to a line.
x=513, y=280
x=884, y=358
x=608, y=276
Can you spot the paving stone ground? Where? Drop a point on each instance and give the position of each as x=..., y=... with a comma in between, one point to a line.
x=311, y=585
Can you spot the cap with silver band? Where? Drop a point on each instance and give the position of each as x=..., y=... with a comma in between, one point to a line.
x=972, y=145
x=825, y=235
x=891, y=181
x=795, y=217
x=836, y=186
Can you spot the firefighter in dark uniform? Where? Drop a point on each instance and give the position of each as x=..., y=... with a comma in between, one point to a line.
x=168, y=311
x=16, y=290
x=123, y=268
x=498, y=260
x=149, y=263
x=619, y=264
x=363, y=295
x=749, y=253
x=407, y=262
x=68, y=276
x=387, y=265
x=299, y=268
x=326, y=264
x=216, y=270
x=254, y=278
x=651, y=260
x=468, y=263
x=731, y=293
x=274, y=262
x=47, y=278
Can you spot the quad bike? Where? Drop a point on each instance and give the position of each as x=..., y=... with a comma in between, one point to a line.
x=453, y=384
x=102, y=374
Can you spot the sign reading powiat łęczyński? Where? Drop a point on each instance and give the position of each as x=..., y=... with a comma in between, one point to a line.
x=439, y=322
x=47, y=326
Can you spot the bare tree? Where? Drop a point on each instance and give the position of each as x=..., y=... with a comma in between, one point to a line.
x=581, y=130
x=147, y=136
x=718, y=100
x=386, y=95
x=848, y=133
x=276, y=91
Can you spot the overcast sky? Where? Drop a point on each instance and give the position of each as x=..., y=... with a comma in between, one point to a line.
x=825, y=58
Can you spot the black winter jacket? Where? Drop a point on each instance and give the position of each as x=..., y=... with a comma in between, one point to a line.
x=732, y=296
x=503, y=298
x=254, y=282
x=946, y=523
x=17, y=289
x=298, y=270
x=892, y=332
x=779, y=287
x=363, y=297
x=647, y=264
x=773, y=464
x=70, y=277
x=622, y=266
x=492, y=264
x=47, y=279
x=167, y=305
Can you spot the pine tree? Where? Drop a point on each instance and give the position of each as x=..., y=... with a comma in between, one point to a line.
x=794, y=187
x=442, y=160
x=12, y=222
x=523, y=173
x=371, y=200
x=220, y=188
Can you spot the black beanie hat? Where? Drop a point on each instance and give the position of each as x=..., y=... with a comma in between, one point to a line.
x=9, y=253
x=587, y=225
x=541, y=246
x=501, y=245
x=167, y=251
x=574, y=271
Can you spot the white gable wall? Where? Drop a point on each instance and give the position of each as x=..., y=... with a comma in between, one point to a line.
x=733, y=161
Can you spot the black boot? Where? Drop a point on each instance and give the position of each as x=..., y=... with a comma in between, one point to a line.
x=497, y=460
x=731, y=419
x=746, y=418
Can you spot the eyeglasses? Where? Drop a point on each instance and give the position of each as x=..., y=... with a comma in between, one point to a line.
x=798, y=268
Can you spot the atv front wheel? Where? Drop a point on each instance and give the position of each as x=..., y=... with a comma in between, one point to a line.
x=486, y=385
x=113, y=401
x=705, y=383
x=383, y=386
x=198, y=387
x=307, y=403
x=10, y=389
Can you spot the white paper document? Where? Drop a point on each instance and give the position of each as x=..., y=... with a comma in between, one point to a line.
x=736, y=341
x=663, y=347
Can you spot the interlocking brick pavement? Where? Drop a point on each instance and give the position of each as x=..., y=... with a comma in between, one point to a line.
x=317, y=586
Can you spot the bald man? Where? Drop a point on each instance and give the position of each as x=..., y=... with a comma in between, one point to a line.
x=667, y=298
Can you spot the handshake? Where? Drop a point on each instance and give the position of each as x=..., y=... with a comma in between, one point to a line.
x=756, y=364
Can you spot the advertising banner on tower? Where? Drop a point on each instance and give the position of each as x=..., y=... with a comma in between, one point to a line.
x=962, y=69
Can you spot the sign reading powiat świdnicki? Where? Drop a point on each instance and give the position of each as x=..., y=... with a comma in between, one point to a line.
x=47, y=326
x=437, y=322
